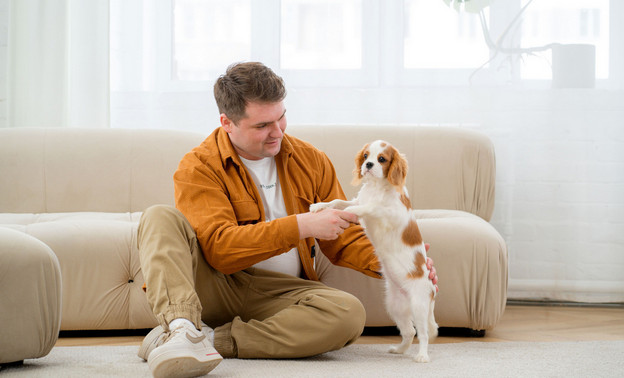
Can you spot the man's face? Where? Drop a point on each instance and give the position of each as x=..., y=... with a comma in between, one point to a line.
x=260, y=133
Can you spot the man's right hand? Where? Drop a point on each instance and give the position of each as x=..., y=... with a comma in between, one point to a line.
x=327, y=224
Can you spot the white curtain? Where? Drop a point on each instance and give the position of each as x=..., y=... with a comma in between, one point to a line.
x=58, y=63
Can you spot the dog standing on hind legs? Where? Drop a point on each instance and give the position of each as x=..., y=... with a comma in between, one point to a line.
x=384, y=210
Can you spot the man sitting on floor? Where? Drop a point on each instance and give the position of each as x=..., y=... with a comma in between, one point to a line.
x=237, y=253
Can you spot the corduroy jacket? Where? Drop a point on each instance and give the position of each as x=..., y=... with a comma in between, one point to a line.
x=217, y=195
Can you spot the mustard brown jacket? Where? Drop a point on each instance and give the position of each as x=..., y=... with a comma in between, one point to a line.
x=218, y=197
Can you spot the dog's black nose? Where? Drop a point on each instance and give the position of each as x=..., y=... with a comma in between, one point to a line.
x=369, y=165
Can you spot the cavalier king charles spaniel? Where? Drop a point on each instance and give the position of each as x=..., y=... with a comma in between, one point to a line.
x=385, y=212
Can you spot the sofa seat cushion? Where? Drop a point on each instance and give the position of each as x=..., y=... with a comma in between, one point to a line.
x=102, y=279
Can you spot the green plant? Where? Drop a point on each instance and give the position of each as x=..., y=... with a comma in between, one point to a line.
x=471, y=6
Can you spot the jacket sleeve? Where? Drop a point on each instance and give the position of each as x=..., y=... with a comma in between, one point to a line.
x=351, y=249
x=229, y=246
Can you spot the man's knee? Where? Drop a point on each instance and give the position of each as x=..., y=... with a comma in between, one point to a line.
x=159, y=212
x=351, y=324
x=159, y=220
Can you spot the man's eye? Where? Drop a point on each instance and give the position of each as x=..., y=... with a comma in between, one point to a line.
x=381, y=159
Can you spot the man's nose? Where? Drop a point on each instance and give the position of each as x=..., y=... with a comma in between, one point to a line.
x=276, y=130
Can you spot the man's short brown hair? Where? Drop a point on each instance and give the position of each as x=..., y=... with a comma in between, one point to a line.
x=247, y=82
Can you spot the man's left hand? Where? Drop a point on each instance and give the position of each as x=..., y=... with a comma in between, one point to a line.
x=432, y=271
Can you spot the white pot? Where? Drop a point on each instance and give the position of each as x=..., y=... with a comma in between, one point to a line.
x=573, y=66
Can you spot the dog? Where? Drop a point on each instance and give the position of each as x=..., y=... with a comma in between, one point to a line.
x=385, y=212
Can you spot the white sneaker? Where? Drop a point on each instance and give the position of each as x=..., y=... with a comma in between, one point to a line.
x=186, y=352
x=157, y=336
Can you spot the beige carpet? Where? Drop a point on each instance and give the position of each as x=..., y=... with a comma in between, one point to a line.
x=469, y=359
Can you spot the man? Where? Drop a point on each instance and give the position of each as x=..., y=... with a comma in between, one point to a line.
x=237, y=253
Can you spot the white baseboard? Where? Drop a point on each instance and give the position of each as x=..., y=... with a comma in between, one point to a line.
x=558, y=290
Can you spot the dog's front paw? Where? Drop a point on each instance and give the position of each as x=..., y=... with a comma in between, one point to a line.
x=421, y=357
x=316, y=207
x=354, y=210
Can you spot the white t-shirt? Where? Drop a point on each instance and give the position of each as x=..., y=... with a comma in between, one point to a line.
x=264, y=174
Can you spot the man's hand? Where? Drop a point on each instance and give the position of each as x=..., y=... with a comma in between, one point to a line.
x=433, y=276
x=325, y=225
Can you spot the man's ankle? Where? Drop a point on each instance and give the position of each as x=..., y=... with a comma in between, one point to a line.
x=175, y=323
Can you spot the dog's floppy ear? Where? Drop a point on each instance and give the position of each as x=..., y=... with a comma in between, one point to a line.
x=359, y=160
x=397, y=172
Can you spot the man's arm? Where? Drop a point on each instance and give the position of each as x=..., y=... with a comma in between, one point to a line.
x=227, y=224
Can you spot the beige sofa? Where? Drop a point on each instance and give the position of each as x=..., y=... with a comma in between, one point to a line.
x=81, y=192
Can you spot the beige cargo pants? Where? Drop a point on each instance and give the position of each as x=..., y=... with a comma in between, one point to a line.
x=255, y=313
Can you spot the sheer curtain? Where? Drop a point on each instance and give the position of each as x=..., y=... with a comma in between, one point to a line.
x=57, y=61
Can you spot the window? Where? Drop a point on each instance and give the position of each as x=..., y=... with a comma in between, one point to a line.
x=208, y=35
x=185, y=44
x=321, y=34
x=436, y=37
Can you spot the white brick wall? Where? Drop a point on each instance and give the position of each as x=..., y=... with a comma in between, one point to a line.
x=560, y=195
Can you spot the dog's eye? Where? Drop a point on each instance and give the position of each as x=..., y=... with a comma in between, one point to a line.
x=381, y=159
x=365, y=156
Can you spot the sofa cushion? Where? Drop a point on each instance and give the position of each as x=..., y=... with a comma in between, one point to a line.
x=104, y=288
x=82, y=169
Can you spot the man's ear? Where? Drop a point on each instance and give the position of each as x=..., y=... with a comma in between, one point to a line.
x=226, y=123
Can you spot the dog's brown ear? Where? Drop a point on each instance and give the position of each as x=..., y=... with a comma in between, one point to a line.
x=397, y=172
x=359, y=160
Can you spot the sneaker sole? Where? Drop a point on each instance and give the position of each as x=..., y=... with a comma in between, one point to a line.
x=182, y=366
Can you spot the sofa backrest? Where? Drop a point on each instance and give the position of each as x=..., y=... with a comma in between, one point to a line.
x=45, y=170
x=52, y=170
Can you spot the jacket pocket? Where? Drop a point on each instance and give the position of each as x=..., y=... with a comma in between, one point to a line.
x=246, y=211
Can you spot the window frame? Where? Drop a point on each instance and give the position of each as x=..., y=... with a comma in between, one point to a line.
x=382, y=52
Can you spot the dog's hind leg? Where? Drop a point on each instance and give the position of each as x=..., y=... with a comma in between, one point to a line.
x=427, y=329
x=400, y=311
x=406, y=327
x=433, y=326
x=423, y=341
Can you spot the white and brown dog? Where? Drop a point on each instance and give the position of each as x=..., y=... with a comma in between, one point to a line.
x=385, y=212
